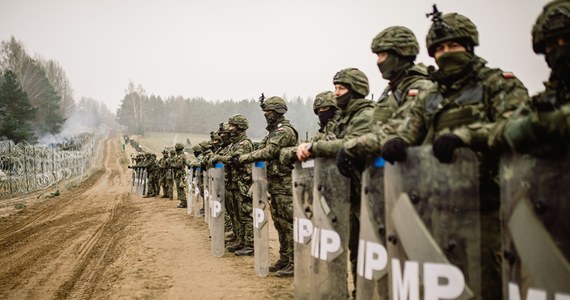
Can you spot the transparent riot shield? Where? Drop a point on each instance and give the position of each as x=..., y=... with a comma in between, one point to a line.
x=260, y=215
x=206, y=196
x=372, y=271
x=329, y=244
x=134, y=179
x=303, y=226
x=433, y=225
x=190, y=185
x=144, y=182
x=217, y=210
x=197, y=192
x=535, y=208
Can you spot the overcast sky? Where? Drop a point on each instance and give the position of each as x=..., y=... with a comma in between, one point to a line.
x=236, y=49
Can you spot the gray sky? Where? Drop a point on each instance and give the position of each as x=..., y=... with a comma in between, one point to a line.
x=236, y=49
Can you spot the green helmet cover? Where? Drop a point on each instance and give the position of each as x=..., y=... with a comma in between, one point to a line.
x=454, y=27
x=240, y=121
x=324, y=99
x=554, y=21
x=353, y=79
x=399, y=39
x=276, y=104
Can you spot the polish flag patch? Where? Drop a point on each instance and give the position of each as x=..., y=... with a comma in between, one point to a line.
x=413, y=92
x=508, y=75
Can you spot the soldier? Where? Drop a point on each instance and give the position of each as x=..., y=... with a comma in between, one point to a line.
x=537, y=244
x=351, y=86
x=238, y=185
x=170, y=174
x=545, y=133
x=467, y=107
x=179, y=169
x=325, y=108
x=396, y=48
x=151, y=167
x=281, y=134
x=162, y=163
x=153, y=180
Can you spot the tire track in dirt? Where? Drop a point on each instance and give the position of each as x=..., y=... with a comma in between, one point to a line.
x=61, y=249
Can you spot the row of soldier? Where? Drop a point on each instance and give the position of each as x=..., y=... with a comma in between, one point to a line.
x=445, y=130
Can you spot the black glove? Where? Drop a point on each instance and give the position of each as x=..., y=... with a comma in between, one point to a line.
x=445, y=145
x=347, y=164
x=395, y=150
x=234, y=161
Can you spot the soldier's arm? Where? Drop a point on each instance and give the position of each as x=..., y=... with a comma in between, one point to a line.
x=272, y=147
x=506, y=95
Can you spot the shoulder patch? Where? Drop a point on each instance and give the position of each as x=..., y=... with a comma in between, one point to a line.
x=508, y=75
x=413, y=92
x=280, y=129
x=241, y=143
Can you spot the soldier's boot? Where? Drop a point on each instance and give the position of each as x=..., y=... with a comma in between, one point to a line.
x=245, y=251
x=235, y=247
x=278, y=265
x=182, y=204
x=288, y=271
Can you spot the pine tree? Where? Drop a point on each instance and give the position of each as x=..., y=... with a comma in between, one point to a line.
x=16, y=111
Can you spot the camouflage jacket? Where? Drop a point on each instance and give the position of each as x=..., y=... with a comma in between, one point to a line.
x=391, y=109
x=278, y=175
x=555, y=120
x=354, y=122
x=326, y=133
x=475, y=108
x=179, y=164
x=239, y=178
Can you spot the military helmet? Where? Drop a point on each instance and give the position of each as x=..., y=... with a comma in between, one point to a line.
x=214, y=136
x=276, y=104
x=399, y=39
x=324, y=99
x=172, y=152
x=148, y=154
x=353, y=79
x=554, y=21
x=453, y=26
x=178, y=146
x=196, y=148
x=164, y=151
x=239, y=121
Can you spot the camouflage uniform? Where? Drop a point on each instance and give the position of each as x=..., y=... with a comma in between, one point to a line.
x=467, y=107
x=281, y=134
x=541, y=183
x=170, y=174
x=162, y=163
x=326, y=127
x=546, y=132
x=179, y=170
x=238, y=183
x=151, y=170
x=408, y=82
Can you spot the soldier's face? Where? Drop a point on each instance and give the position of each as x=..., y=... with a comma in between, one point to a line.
x=339, y=90
x=382, y=57
x=551, y=44
x=232, y=128
x=449, y=46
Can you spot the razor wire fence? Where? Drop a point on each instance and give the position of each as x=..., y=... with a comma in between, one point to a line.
x=26, y=168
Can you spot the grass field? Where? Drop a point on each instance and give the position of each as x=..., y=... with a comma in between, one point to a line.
x=155, y=142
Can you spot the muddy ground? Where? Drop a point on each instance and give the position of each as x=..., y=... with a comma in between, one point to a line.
x=97, y=240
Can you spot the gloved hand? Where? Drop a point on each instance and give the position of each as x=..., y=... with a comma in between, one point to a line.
x=521, y=134
x=445, y=145
x=234, y=161
x=348, y=164
x=395, y=150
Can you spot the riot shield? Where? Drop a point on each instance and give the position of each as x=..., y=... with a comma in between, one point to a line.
x=189, y=184
x=535, y=210
x=303, y=226
x=198, y=182
x=217, y=210
x=206, y=196
x=260, y=215
x=144, y=181
x=433, y=225
x=329, y=245
x=372, y=271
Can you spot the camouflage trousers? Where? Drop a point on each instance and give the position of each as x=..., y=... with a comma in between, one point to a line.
x=180, y=181
x=281, y=209
x=242, y=216
x=151, y=188
x=231, y=214
x=162, y=184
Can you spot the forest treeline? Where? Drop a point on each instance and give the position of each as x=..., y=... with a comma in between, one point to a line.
x=37, y=101
x=140, y=113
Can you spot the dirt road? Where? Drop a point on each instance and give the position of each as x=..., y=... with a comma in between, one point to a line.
x=99, y=241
